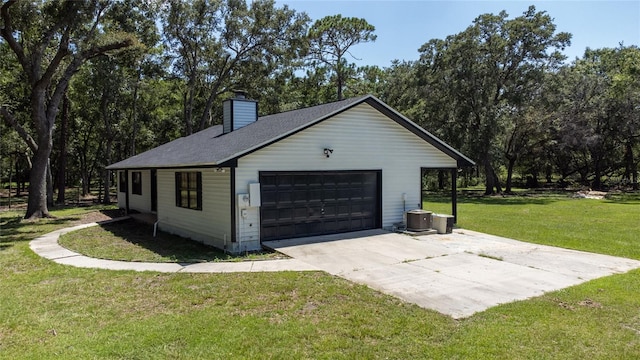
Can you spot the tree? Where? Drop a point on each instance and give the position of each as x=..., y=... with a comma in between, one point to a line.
x=190, y=28
x=597, y=124
x=623, y=69
x=15, y=159
x=368, y=80
x=525, y=134
x=486, y=71
x=214, y=42
x=330, y=39
x=51, y=41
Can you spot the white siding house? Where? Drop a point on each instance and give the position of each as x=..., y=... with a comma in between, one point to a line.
x=212, y=225
x=361, y=139
x=344, y=166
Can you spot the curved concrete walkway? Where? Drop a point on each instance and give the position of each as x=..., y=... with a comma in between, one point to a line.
x=47, y=246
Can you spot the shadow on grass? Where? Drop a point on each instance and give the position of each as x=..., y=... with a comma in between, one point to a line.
x=508, y=200
x=479, y=198
x=14, y=228
x=532, y=197
x=172, y=247
x=625, y=198
x=15, y=200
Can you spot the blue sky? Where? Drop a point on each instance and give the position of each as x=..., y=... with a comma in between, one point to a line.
x=403, y=26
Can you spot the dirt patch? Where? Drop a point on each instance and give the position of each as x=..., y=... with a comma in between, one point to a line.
x=566, y=306
x=97, y=216
x=590, y=303
x=590, y=194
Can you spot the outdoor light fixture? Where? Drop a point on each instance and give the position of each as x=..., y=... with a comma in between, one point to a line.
x=328, y=152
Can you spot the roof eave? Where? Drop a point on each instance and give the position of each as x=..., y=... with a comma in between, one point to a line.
x=164, y=166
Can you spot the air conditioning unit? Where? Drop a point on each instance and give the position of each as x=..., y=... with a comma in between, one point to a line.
x=418, y=220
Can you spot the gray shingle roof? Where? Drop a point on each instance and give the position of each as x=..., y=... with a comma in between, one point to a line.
x=210, y=147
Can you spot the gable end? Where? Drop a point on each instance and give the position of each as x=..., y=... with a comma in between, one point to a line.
x=462, y=160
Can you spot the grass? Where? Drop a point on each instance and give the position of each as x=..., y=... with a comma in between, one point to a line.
x=487, y=256
x=133, y=241
x=53, y=311
x=609, y=226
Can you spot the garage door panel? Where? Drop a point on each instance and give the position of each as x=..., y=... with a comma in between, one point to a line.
x=331, y=226
x=285, y=214
x=268, y=231
x=283, y=197
x=313, y=203
x=330, y=210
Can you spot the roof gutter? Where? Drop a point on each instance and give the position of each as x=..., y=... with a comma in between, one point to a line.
x=181, y=166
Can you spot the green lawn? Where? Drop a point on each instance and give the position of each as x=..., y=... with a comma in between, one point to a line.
x=54, y=311
x=610, y=226
x=134, y=241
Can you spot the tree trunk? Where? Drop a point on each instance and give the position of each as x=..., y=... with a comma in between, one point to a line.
x=188, y=107
x=85, y=184
x=18, y=177
x=630, y=167
x=40, y=166
x=491, y=179
x=37, y=204
x=49, y=184
x=510, y=165
x=62, y=160
x=134, y=115
x=208, y=106
x=597, y=173
x=108, y=147
x=633, y=167
x=15, y=160
x=440, y=180
x=583, y=176
x=340, y=85
x=106, y=175
x=216, y=90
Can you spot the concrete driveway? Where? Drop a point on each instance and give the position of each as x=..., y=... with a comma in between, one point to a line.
x=456, y=274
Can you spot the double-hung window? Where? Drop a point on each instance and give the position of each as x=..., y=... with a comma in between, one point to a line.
x=189, y=190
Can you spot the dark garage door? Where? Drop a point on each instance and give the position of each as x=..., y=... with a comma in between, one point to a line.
x=296, y=204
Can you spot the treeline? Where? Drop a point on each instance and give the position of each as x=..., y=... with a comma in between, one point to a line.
x=502, y=92
x=85, y=84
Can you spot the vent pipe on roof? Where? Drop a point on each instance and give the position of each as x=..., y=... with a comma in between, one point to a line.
x=238, y=111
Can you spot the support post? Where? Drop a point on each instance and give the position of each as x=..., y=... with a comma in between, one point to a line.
x=454, y=195
x=126, y=196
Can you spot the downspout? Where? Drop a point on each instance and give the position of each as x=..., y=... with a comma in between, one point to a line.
x=233, y=203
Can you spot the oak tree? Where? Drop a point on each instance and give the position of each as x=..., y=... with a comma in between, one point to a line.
x=487, y=70
x=51, y=41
